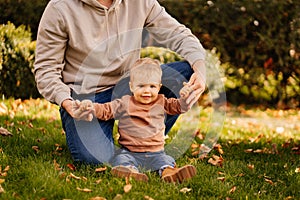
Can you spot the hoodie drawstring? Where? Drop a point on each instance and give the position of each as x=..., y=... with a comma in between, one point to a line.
x=118, y=33
x=107, y=30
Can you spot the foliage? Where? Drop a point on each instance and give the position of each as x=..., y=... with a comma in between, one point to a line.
x=16, y=62
x=260, y=38
x=253, y=159
x=22, y=12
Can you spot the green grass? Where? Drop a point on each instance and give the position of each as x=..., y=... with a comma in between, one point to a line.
x=267, y=173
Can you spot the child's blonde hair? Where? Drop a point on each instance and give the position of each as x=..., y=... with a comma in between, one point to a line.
x=146, y=67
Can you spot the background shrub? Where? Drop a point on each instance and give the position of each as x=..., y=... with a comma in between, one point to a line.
x=258, y=40
x=16, y=62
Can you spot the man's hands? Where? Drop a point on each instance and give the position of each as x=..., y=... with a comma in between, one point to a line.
x=83, y=110
x=197, y=82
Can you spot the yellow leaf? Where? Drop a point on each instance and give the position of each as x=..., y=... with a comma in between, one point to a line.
x=297, y=170
x=127, y=188
x=2, y=180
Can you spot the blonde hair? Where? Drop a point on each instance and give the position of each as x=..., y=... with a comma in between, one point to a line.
x=146, y=67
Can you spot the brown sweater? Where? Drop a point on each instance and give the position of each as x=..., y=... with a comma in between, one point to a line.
x=141, y=126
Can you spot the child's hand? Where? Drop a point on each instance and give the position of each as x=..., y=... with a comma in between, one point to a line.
x=83, y=110
x=185, y=91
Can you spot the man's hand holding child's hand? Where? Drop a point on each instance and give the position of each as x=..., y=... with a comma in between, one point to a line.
x=83, y=110
x=185, y=92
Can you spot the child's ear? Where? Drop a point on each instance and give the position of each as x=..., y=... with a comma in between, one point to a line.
x=130, y=86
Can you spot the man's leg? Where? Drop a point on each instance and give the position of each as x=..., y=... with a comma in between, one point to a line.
x=89, y=142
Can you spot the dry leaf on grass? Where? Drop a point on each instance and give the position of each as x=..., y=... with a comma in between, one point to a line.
x=84, y=189
x=101, y=169
x=71, y=167
x=297, y=170
x=232, y=190
x=148, y=198
x=118, y=197
x=216, y=161
x=5, y=132
x=185, y=190
x=1, y=189
x=2, y=180
x=127, y=188
x=75, y=177
x=97, y=198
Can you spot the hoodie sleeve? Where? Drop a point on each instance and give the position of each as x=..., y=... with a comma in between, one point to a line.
x=171, y=34
x=49, y=58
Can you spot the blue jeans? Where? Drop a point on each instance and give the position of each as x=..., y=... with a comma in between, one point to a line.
x=92, y=142
x=152, y=161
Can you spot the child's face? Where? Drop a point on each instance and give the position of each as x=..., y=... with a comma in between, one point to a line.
x=146, y=90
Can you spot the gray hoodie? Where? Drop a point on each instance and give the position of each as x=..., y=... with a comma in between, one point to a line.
x=86, y=47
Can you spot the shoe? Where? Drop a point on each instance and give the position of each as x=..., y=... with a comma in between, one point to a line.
x=122, y=172
x=173, y=175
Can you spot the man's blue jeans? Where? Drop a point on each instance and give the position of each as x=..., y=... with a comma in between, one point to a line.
x=92, y=142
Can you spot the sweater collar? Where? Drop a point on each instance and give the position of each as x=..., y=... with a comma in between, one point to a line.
x=101, y=8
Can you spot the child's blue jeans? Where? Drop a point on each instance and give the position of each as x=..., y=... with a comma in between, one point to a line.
x=152, y=161
x=92, y=142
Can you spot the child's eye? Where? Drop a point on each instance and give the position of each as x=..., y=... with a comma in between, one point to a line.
x=153, y=86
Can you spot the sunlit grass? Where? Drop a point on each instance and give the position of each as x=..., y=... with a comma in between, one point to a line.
x=260, y=159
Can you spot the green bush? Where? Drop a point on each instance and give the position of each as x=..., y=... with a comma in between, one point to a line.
x=22, y=12
x=258, y=38
x=16, y=62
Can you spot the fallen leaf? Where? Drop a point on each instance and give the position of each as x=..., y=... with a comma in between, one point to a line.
x=84, y=189
x=221, y=179
x=248, y=150
x=250, y=166
x=97, y=198
x=297, y=170
x=5, y=132
x=148, y=198
x=127, y=188
x=216, y=161
x=1, y=189
x=71, y=167
x=3, y=108
x=35, y=148
x=269, y=181
x=185, y=190
x=98, y=181
x=258, y=151
x=6, y=168
x=118, y=197
x=75, y=177
x=2, y=180
x=101, y=169
x=232, y=190
x=56, y=165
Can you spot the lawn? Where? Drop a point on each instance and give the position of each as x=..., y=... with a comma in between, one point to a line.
x=256, y=157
